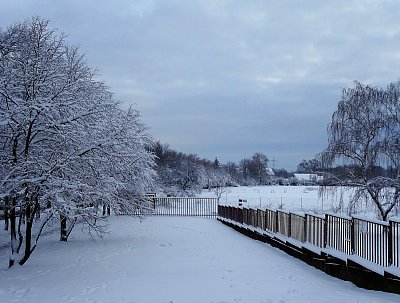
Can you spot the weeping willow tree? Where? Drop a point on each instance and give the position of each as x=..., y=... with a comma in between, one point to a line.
x=364, y=133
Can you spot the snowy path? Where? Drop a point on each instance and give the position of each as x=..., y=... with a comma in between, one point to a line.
x=171, y=260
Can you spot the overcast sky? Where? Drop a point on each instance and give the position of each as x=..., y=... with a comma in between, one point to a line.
x=227, y=79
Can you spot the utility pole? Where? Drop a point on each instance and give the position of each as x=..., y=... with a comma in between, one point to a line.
x=273, y=162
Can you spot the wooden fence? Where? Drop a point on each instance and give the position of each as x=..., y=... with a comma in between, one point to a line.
x=372, y=240
x=194, y=207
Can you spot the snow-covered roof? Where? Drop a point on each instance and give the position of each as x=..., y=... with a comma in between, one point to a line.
x=308, y=177
x=270, y=172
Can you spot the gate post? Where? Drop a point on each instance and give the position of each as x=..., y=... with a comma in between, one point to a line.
x=390, y=243
x=325, y=232
x=352, y=237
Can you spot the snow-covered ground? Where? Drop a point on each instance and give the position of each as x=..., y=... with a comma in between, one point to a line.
x=170, y=259
x=291, y=198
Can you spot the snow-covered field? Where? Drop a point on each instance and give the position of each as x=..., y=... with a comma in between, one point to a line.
x=290, y=198
x=170, y=259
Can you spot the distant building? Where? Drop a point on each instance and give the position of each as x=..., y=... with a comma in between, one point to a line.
x=270, y=176
x=270, y=172
x=308, y=179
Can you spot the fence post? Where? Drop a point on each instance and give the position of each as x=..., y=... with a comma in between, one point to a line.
x=390, y=243
x=289, y=225
x=276, y=221
x=305, y=229
x=256, y=220
x=352, y=236
x=325, y=233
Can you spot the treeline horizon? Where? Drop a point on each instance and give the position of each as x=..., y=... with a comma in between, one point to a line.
x=181, y=173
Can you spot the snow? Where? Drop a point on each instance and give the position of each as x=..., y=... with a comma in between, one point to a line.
x=291, y=198
x=296, y=199
x=308, y=177
x=379, y=222
x=342, y=216
x=395, y=219
x=170, y=259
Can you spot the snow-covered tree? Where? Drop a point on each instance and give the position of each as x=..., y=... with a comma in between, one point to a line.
x=309, y=166
x=232, y=170
x=253, y=171
x=190, y=176
x=258, y=168
x=67, y=146
x=364, y=134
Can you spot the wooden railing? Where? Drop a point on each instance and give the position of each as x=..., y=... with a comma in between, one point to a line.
x=315, y=230
x=372, y=240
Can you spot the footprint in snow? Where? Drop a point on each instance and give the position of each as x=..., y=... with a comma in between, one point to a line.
x=20, y=293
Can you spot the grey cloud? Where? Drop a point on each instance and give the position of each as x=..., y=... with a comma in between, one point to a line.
x=229, y=78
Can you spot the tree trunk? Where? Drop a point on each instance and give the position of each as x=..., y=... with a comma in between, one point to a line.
x=13, y=233
x=28, y=234
x=37, y=207
x=13, y=219
x=106, y=210
x=29, y=248
x=20, y=234
x=6, y=213
x=15, y=249
x=63, y=228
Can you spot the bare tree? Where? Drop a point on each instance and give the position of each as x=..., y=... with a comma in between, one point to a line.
x=362, y=134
